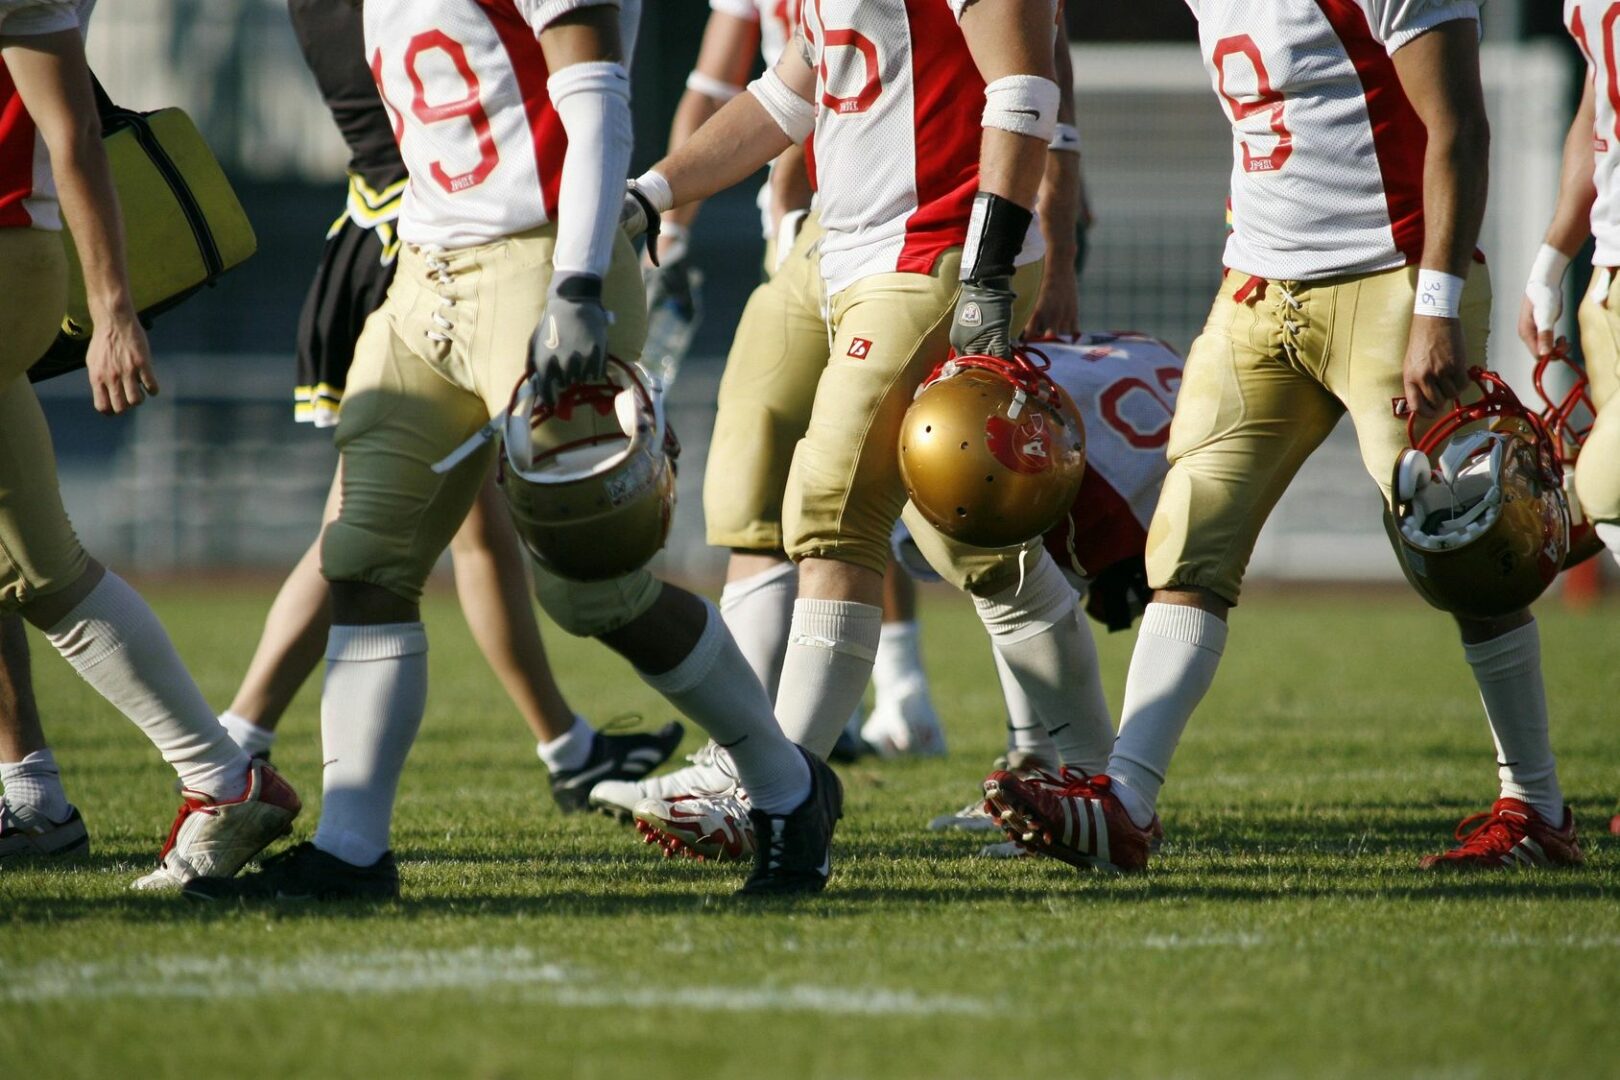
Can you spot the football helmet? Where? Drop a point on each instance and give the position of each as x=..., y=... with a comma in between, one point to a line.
x=1568, y=418
x=591, y=478
x=992, y=451
x=1480, y=520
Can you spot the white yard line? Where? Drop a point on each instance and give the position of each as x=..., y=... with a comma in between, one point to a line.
x=463, y=970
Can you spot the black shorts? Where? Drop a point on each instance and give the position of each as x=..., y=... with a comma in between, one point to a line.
x=356, y=268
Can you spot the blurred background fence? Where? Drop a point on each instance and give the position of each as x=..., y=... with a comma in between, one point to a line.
x=215, y=474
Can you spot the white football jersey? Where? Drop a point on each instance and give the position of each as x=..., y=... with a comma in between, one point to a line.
x=27, y=189
x=1124, y=385
x=465, y=84
x=1327, y=171
x=898, y=107
x=1591, y=23
x=776, y=19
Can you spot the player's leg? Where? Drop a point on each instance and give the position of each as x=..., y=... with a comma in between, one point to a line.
x=102, y=628
x=36, y=818
x=493, y=587
x=1504, y=653
x=903, y=719
x=1597, y=471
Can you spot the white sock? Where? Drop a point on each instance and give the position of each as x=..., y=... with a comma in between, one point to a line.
x=1026, y=735
x=371, y=707
x=117, y=645
x=897, y=670
x=715, y=687
x=830, y=652
x=1177, y=651
x=33, y=790
x=757, y=610
x=1609, y=533
x=252, y=738
x=1037, y=629
x=1508, y=670
x=570, y=750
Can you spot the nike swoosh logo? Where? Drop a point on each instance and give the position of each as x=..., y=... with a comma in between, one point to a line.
x=553, y=339
x=825, y=869
x=1026, y=112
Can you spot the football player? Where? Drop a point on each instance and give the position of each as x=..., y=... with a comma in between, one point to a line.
x=53, y=166
x=513, y=118
x=1358, y=187
x=1588, y=206
x=356, y=268
x=931, y=124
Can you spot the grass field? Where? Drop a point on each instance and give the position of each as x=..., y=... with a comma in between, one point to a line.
x=1283, y=931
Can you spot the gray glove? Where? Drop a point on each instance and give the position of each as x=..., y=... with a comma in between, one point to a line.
x=570, y=344
x=983, y=320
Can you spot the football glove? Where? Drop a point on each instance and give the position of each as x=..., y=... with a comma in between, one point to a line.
x=983, y=320
x=570, y=344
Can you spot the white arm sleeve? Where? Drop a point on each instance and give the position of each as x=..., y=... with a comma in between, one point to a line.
x=593, y=102
x=540, y=14
x=746, y=10
x=38, y=16
x=794, y=115
x=1396, y=22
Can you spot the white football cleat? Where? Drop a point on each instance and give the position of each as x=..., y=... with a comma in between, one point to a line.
x=712, y=826
x=215, y=839
x=971, y=818
x=1007, y=849
x=711, y=770
x=905, y=725
x=39, y=838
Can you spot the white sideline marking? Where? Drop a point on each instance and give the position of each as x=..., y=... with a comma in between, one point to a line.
x=415, y=971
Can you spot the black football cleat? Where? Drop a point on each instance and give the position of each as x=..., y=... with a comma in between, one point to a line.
x=303, y=872
x=629, y=757
x=850, y=748
x=793, y=851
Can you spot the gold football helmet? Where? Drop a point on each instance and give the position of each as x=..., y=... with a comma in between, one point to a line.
x=1480, y=520
x=591, y=478
x=1568, y=419
x=992, y=451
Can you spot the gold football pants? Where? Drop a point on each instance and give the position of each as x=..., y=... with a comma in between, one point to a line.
x=1597, y=470
x=39, y=553
x=1265, y=383
x=438, y=359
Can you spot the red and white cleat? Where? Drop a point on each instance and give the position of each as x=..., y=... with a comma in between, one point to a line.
x=215, y=839
x=1079, y=821
x=703, y=826
x=1511, y=833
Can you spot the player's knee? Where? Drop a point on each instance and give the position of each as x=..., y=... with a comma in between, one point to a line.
x=1032, y=606
x=594, y=608
x=350, y=554
x=48, y=573
x=1597, y=481
x=742, y=488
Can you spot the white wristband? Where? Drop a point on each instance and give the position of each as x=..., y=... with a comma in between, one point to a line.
x=1067, y=139
x=653, y=185
x=1545, y=289
x=1439, y=294
x=711, y=87
x=1023, y=105
x=794, y=115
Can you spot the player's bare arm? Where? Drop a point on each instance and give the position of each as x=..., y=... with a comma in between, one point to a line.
x=591, y=91
x=53, y=80
x=724, y=60
x=1571, y=225
x=1439, y=71
x=790, y=199
x=1060, y=206
x=1011, y=42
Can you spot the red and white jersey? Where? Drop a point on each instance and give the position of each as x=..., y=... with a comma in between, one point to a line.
x=465, y=83
x=27, y=191
x=776, y=19
x=898, y=107
x=1591, y=23
x=1327, y=171
x=1124, y=385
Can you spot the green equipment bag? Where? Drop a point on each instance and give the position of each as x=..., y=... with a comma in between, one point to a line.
x=183, y=225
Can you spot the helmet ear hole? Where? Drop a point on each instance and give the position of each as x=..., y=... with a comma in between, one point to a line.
x=1412, y=474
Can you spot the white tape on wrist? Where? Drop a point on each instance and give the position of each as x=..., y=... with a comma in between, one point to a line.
x=794, y=115
x=653, y=185
x=1067, y=139
x=711, y=87
x=1023, y=105
x=1439, y=294
x=1545, y=289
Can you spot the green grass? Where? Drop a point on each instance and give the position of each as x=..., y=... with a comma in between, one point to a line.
x=1283, y=930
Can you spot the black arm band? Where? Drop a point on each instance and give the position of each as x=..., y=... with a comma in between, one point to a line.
x=580, y=287
x=995, y=236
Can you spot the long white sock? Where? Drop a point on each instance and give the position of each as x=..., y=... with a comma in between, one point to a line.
x=1609, y=533
x=758, y=610
x=1038, y=631
x=117, y=645
x=1508, y=670
x=897, y=669
x=252, y=738
x=1026, y=735
x=715, y=687
x=33, y=790
x=830, y=652
x=1177, y=651
x=570, y=750
x=371, y=708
